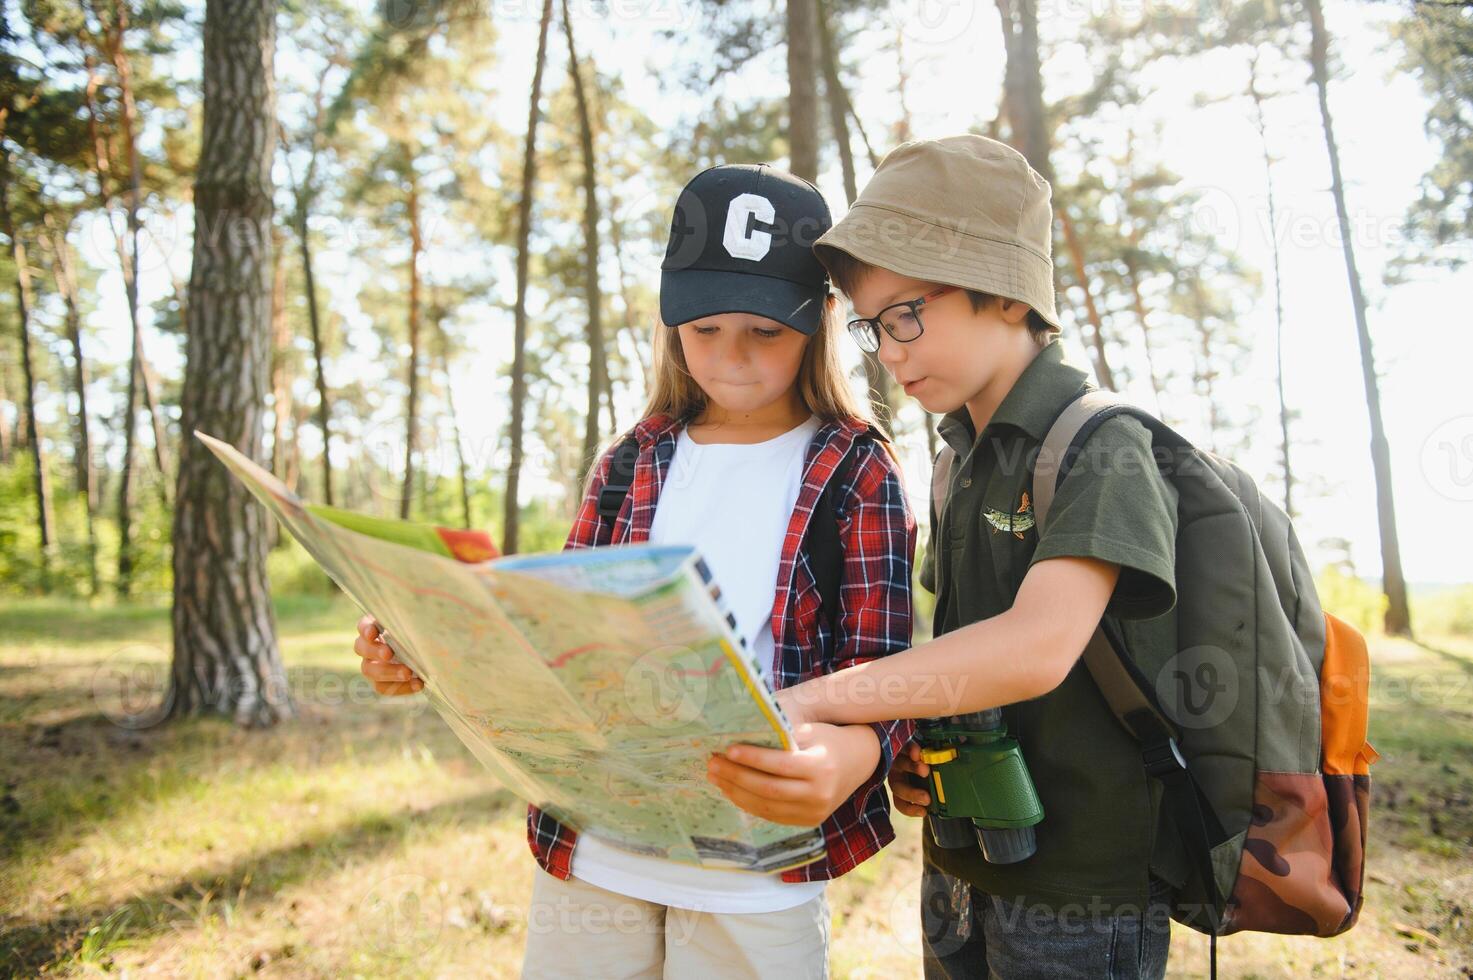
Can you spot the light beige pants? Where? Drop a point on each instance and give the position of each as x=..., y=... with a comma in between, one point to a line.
x=575, y=930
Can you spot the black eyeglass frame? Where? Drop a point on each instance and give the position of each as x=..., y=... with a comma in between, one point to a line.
x=866, y=330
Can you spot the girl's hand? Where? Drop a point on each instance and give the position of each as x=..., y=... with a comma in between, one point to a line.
x=801, y=787
x=388, y=674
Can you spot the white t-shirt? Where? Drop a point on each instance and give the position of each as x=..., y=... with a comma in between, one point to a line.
x=733, y=503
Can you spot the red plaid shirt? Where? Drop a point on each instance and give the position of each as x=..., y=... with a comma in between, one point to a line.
x=879, y=536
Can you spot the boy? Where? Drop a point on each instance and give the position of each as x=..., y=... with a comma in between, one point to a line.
x=945, y=257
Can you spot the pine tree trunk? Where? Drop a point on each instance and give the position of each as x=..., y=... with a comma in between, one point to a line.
x=1273, y=223
x=411, y=407
x=510, y=521
x=281, y=398
x=1138, y=304
x=1097, y=326
x=5, y=436
x=877, y=379
x=226, y=658
x=598, y=379
x=1023, y=85
x=118, y=55
x=309, y=285
x=86, y=473
x=1398, y=614
x=102, y=168
x=625, y=303
x=902, y=90
x=281, y=342
x=462, y=468
x=24, y=305
x=802, y=89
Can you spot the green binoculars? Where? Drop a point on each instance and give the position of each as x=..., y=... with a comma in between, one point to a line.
x=981, y=792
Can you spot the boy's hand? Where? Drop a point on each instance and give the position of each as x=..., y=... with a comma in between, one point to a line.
x=910, y=799
x=801, y=787
x=388, y=674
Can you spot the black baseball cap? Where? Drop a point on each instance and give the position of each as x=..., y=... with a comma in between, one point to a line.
x=741, y=241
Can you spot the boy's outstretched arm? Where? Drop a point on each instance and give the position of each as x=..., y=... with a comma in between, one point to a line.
x=1022, y=653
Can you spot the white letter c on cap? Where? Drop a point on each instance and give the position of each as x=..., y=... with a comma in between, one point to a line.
x=740, y=243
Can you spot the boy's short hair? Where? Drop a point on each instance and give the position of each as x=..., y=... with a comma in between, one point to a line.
x=847, y=272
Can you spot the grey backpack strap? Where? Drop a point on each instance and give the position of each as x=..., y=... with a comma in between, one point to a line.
x=1064, y=441
x=1127, y=691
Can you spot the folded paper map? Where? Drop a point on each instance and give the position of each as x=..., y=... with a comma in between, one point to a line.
x=593, y=683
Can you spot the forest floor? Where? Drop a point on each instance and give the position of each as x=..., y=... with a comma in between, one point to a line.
x=361, y=838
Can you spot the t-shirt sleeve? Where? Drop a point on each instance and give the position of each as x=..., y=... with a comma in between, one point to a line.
x=1114, y=505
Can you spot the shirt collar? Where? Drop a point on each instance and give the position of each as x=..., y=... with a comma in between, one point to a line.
x=1042, y=391
x=655, y=427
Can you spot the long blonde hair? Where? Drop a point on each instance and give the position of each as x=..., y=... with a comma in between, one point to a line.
x=821, y=382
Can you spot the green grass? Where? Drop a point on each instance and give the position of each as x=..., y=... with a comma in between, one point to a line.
x=362, y=839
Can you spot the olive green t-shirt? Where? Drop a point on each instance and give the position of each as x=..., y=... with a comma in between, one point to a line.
x=1100, y=833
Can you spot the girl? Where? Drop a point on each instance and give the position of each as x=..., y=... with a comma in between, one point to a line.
x=748, y=421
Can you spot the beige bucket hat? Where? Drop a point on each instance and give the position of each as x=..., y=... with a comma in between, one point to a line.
x=961, y=211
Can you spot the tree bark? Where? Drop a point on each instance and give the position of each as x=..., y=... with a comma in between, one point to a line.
x=324, y=406
x=802, y=89
x=598, y=379
x=117, y=53
x=1398, y=619
x=877, y=379
x=1097, y=326
x=519, y=341
x=281, y=390
x=1268, y=182
x=86, y=473
x=281, y=342
x=463, y=469
x=226, y=658
x=411, y=406
x=1023, y=85
x=23, y=305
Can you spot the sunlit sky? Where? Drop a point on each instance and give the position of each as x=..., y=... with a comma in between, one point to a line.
x=1424, y=344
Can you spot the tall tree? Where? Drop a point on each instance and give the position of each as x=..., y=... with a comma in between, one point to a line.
x=63, y=272
x=1260, y=122
x=802, y=21
x=304, y=191
x=411, y=397
x=442, y=350
x=877, y=379
x=592, y=294
x=1398, y=619
x=226, y=658
x=45, y=525
x=1437, y=37
x=510, y=520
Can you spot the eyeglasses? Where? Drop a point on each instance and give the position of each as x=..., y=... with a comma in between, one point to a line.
x=901, y=321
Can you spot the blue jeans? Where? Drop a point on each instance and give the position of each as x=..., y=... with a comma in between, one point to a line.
x=970, y=935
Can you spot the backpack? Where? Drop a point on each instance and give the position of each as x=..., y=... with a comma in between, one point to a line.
x=1271, y=797
x=825, y=551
